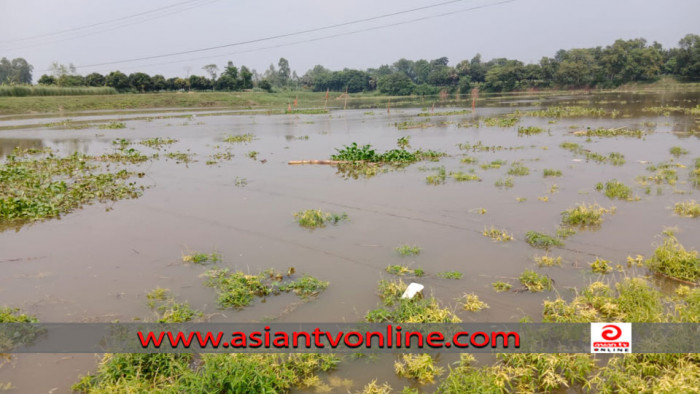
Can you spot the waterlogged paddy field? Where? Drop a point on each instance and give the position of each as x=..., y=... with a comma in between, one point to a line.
x=222, y=186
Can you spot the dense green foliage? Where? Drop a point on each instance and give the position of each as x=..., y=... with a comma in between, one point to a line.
x=622, y=62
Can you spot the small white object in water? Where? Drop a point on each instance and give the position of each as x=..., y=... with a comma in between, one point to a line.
x=412, y=290
x=577, y=160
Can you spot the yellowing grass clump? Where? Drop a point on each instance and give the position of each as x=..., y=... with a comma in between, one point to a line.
x=585, y=215
x=689, y=208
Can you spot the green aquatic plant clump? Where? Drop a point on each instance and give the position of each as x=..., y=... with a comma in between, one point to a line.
x=616, y=190
x=403, y=270
x=518, y=169
x=14, y=315
x=541, y=240
x=157, y=142
x=530, y=130
x=690, y=208
x=535, y=282
x=585, y=215
x=168, y=310
x=314, y=218
x=366, y=153
x=237, y=289
x=416, y=310
x=548, y=172
x=419, y=367
x=672, y=260
x=112, y=125
x=46, y=187
x=178, y=373
x=568, y=112
x=450, y=275
x=408, y=250
x=239, y=138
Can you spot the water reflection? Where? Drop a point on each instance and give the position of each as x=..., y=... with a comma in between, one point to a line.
x=66, y=146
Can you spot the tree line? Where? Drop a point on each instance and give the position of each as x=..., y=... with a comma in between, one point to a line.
x=601, y=67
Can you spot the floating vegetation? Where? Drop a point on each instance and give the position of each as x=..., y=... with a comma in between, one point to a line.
x=543, y=198
x=313, y=218
x=565, y=232
x=603, y=132
x=672, y=260
x=493, y=164
x=541, y=240
x=480, y=147
x=237, y=289
x=180, y=157
x=506, y=183
x=419, y=367
x=240, y=182
x=548, y=172
x=500, y=286
x=520, y=199
x=569, y=112
x=408, y=250
x=464, y=177
x=415, y=310
x=614, y=158
x=601, y=266
x=253, y=154
x=518, y=169
x=469, y=160
x=46, y=187
x=408, y=124
x=690, y=208
x=450, y=275
x=530, y=130
x=507, y=121
x=614, y=189
x=366, y=153
x=403, y=142
x=535, y=282
x=665, y=172
x=201, y=258
x=585, y=215
x=666, y=110
x=157, y=142
x=497, y=235
x=695, y=174
x=168, y=310
x=437, y=179
x=677, y=151
x=547, y=261
x=112, y=125
x=472, y=303
x=238, y=138
x=403, y=270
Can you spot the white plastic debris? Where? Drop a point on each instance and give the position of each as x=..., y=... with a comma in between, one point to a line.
x=412, y=290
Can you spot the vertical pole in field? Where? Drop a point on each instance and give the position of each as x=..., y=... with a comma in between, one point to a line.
x=346, y=99
x=388, y=107
x=325, y=104
x=475, y=95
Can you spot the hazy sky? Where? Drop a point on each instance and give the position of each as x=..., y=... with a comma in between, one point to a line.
x=88, y=32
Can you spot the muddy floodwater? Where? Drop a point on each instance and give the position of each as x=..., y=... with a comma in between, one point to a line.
x=96, y=264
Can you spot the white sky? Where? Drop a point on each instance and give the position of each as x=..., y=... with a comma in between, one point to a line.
x=522, y=29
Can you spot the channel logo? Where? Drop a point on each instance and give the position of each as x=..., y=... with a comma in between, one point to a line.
x=611, y=337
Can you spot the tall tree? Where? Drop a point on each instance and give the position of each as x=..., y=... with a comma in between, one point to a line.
x=284, y=72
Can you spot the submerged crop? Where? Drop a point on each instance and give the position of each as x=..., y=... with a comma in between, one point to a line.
x=49, y=186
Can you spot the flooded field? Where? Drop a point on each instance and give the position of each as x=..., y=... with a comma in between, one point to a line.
x=224, y=187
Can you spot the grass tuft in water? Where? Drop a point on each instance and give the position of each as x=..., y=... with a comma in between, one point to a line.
x=408, y=250
x=497, y=235
x=530, y=130
x=501, y=286
x=472, y=303
x=450, y=275
x=419, y=367
x=541, y=240
x=403, y=270
x=518, y=169
x=601, y=266
x=415, y=310
x=201, y=258
x=237, y=289
x=616, y=190
x=548, y=172
x=690, y=208
x=585, y=215
x=314, y=218
x=239, y=138
x=535, y=282
x=672, y=260
x=677, y=151
x=547, y=261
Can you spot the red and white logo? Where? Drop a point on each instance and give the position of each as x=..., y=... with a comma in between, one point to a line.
x=611, y=337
